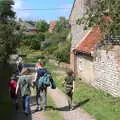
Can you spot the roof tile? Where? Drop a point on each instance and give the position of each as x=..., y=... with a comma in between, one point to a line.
x=89, y=43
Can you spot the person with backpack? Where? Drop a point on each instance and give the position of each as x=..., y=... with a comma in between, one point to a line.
x=41, y=88
x=19, y=64
x=12, y=89
x=69, y=87
x=24, y=83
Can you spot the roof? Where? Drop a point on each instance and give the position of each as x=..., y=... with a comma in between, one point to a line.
x=27, y=25
x=52, y=26
x=53, y=22
x=88, y=44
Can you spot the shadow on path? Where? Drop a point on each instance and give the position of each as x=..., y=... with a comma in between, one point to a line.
x=66, y=108
x=22, y=116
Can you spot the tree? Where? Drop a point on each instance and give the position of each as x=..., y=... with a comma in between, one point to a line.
x=8, y=37
x=62, y=26
x=62, y=54
x=42, y=26
x=104, y=13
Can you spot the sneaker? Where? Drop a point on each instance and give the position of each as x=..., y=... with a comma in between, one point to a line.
x=71, y=108
x=38, y=108
x=43, y=108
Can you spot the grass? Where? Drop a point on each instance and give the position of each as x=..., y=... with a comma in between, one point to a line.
x=99, y=104
x=52, y=114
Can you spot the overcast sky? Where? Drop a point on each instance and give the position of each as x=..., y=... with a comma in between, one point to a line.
x=47, y=15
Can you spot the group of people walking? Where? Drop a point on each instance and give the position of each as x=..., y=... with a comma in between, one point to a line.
x=43, y=79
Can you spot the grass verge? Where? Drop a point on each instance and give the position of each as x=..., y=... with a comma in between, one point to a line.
x=99, y=104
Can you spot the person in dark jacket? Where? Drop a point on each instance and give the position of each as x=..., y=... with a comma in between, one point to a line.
x=69, y=87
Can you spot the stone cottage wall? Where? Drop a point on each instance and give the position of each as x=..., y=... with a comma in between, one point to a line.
x=77, y=31
x=85, y=69
x=107, y=74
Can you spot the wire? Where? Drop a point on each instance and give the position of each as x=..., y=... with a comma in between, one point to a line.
x=42, y=9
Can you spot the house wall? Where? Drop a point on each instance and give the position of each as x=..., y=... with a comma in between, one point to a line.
x=107, y=72
x=104, y=71
x=77, y=31
x=85, y=69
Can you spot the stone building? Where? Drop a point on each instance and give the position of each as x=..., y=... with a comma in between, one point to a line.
x=97, y=67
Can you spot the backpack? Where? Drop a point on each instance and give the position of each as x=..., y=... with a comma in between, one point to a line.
x=25, y=86
x=13, y=84
x=52, y=83
x=44, y=81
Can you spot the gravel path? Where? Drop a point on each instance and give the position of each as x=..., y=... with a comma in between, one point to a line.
x=33, y=116
x=60, y=100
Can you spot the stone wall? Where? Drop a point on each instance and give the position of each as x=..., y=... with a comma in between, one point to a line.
x=107, y=74
x=85, y=69
x=77, y=31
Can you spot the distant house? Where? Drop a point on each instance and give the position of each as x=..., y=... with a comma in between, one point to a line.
x=52, y=26
x=28, y=28
x=94, y=65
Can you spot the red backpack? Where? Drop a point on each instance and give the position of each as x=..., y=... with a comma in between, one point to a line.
x=12, y=85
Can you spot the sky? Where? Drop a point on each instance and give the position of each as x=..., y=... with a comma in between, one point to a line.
x=48, y=15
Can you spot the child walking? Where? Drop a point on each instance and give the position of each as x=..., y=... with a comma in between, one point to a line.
x=69, y=87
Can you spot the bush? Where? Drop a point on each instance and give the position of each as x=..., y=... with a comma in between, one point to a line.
x=62, y=54
x=33, y=41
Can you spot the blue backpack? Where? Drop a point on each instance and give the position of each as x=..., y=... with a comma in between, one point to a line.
x=44, y=81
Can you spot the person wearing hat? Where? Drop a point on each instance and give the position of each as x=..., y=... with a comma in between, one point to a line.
x=24, y=83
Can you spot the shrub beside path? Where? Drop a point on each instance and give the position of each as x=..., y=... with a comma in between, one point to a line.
x=61, y=102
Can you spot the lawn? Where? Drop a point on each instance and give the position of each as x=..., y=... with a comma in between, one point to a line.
x=99, y=104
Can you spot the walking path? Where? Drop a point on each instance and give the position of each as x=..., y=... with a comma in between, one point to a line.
x=60, y=100
x=33, y=116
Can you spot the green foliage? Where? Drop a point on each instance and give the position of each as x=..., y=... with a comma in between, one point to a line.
x=62, y=54
x=6, y=11
x=62, y=26
x=96, y=14
x=42, y=26
x=8, y=35
x=50, y=43
x=33, y=41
